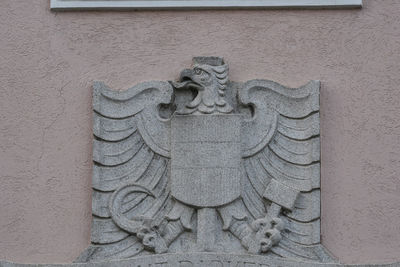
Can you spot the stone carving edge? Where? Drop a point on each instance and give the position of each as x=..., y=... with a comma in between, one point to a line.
x=199, y=259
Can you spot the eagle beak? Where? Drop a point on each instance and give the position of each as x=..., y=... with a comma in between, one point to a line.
x=185, y=80
x=186, y=75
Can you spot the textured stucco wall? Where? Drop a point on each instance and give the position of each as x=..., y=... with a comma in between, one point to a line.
x=49, y=60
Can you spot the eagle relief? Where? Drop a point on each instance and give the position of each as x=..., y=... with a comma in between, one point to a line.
x=205, y=165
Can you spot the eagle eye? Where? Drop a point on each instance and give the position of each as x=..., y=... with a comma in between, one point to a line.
x=198, y=71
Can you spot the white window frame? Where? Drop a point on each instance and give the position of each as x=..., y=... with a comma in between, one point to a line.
x=196, y=4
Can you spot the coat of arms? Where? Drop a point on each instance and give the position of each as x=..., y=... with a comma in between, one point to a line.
x=206, y=165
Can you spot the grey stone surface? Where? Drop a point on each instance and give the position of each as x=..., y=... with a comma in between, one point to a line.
x=207, y=165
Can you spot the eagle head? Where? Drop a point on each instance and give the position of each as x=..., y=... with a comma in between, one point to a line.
x=209, y=77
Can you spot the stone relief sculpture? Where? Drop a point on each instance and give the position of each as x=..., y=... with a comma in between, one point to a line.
x=206, y=165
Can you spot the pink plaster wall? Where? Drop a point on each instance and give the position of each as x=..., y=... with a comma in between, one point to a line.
x=49, y=60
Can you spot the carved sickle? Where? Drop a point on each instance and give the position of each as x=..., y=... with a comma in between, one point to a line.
x=130, y=225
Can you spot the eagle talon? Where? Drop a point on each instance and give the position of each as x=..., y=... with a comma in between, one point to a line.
x=267, y=233
x=152, y=240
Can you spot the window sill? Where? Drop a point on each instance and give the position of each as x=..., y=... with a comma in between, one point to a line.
x=198, y=4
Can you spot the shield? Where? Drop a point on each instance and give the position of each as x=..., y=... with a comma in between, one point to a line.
x=205, y=159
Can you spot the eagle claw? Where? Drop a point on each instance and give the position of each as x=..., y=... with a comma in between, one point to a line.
x=152, y=240
x=267, y=233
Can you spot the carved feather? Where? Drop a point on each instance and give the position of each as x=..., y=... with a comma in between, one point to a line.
x=126, y=248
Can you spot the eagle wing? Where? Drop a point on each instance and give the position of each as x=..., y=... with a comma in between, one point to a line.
x=130, y=173
x=281, y=149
